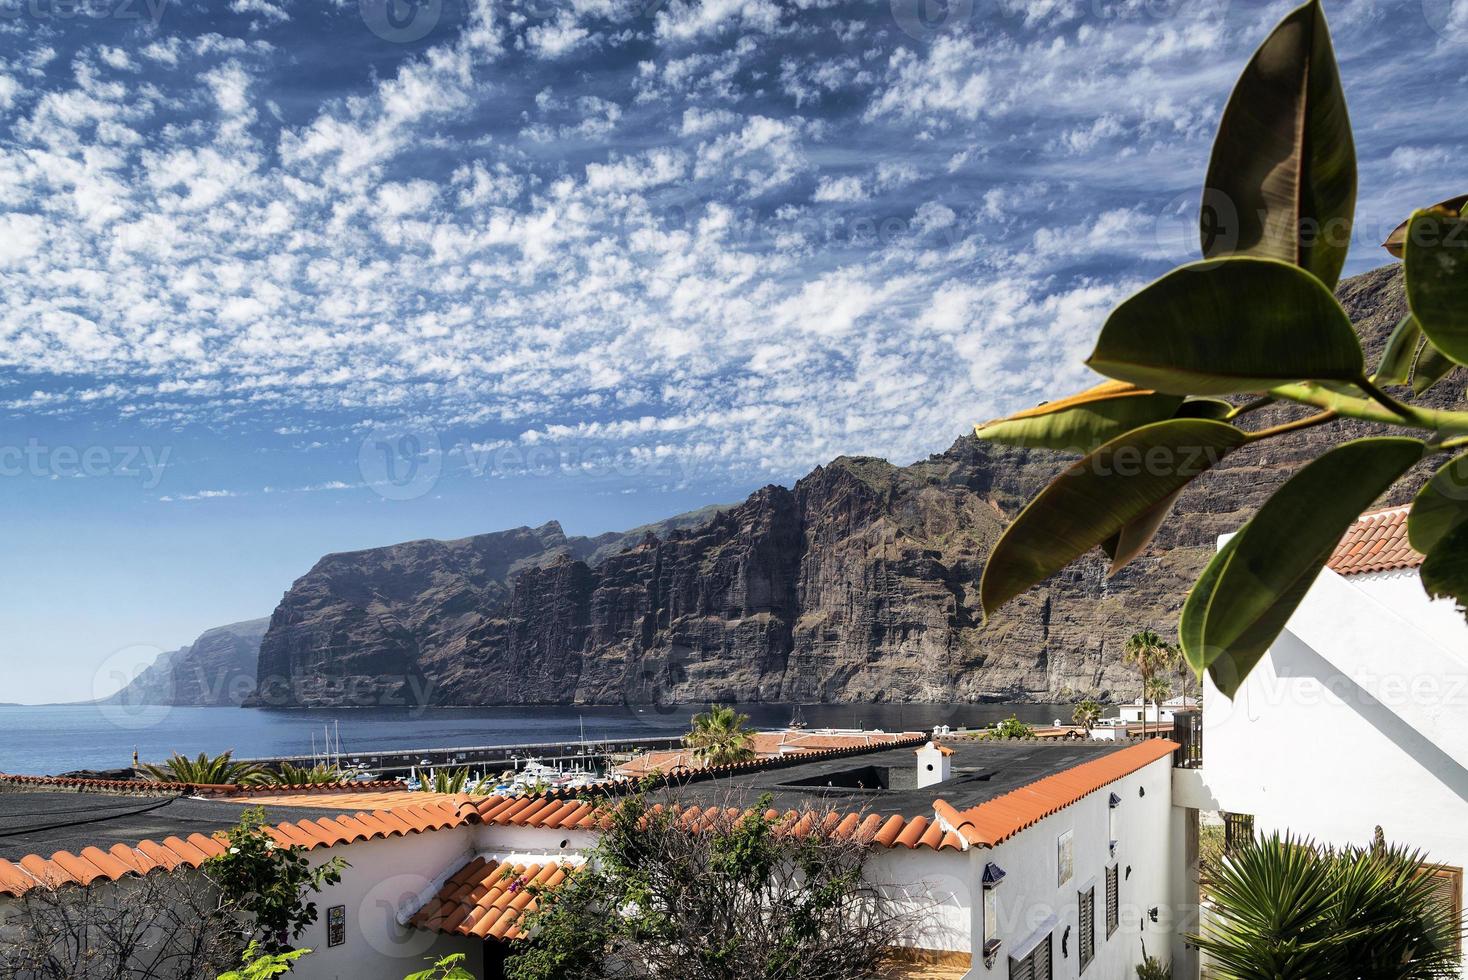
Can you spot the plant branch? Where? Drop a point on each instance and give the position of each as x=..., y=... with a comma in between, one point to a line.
x=1247, y=407
x=1298, y=424
x=1369, y=386
x=1306, y=393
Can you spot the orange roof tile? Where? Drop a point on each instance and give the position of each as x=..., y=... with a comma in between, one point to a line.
x=773, y=745
x=1377, y=542
x=999, y=819
x=92, y=864
x=488, y=898
x=554, y=814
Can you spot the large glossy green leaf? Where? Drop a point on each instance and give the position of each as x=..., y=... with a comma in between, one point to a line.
x=1132, y=539
x=1400, y=353
x=1204, y=408
x=1431, y=366
x=1099, y=495
x=1445, y=571
x=1441, y=506
x=1398, y=237
x=1082, y=422
x=1253, y=587
x=1282, y=179
x=1228, y=326
x=1437, y=280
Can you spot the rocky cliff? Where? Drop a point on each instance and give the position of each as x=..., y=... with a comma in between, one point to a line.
x=859, y=583
x=216, y=670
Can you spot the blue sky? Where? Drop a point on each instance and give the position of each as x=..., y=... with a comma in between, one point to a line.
x=281, y=278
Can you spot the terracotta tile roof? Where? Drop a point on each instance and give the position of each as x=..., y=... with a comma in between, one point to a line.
x=999, y=819
x=130, y=786
x=774, y=745
x=147, y=786
x=539, y=812
x=334, y=799
x=1376, y=543
x=488, y=898
x=92, y=864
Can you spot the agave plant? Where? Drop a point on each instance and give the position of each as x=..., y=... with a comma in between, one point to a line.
x=206, y=770
x=1256, y=320
x=317, y=775
x=1285, y=907
x=718, y=737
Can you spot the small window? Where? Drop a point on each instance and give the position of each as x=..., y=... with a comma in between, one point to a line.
x=1035, y=965
x=1449, y=886
x=1088, y=927
x=1113, y=901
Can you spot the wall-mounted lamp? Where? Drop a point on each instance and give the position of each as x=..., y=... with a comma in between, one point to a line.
x=992, y=876
x=1152, y=913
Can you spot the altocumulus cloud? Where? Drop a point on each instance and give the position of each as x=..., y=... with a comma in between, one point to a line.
x=756, y=232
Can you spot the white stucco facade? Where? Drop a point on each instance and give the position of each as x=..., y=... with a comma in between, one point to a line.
x=1032, y=901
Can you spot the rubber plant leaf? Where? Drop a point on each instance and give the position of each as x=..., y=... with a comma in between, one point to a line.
x=1440, y=507
x=1282, y=178
x=1082, y=422
x=1229, y=326
x=1398, y=237
x=1097, y=496
x=1436, y=254
x=1445, y=570
x=1254, y=586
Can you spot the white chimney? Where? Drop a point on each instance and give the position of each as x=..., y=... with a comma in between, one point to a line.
x=934, y=764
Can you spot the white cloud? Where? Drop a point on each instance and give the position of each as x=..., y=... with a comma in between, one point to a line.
x=840, y=189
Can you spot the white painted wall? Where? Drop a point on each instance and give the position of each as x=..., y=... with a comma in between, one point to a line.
x=1357, y=716
x=1030, y=896
x=386, y=877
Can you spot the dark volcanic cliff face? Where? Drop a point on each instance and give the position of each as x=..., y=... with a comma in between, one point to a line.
x=859, y=583
x=216, y=670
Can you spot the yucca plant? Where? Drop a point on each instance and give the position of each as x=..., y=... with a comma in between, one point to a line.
x=1285, y=907
x=718, y=737
x=207, y=770
x=1256, y=320
x=290, y=775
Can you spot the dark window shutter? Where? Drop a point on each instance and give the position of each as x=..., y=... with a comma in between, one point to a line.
x=1088, y=927
x=1041, y=957
x=1113, y=901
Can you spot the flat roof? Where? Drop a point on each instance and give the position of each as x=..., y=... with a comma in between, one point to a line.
x=46, y=821
x=982, y=769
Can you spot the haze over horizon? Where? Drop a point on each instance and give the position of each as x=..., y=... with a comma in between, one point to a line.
x=284, y=278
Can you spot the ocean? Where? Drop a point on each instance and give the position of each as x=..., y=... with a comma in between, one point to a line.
x=46, y=740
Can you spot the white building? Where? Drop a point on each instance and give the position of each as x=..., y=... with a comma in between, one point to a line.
x=1357, y=717
x=1041, y=860
x=1136, y=712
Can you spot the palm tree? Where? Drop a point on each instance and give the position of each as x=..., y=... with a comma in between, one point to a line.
x=1150, y=655
x=1086, y=714
x=317, y=775
x=220, y=770
x=718, y=737
x=1285, y=907
x=1157, y=690
x=447, y=781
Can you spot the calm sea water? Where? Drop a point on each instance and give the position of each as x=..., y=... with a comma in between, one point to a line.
x=48, y=740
